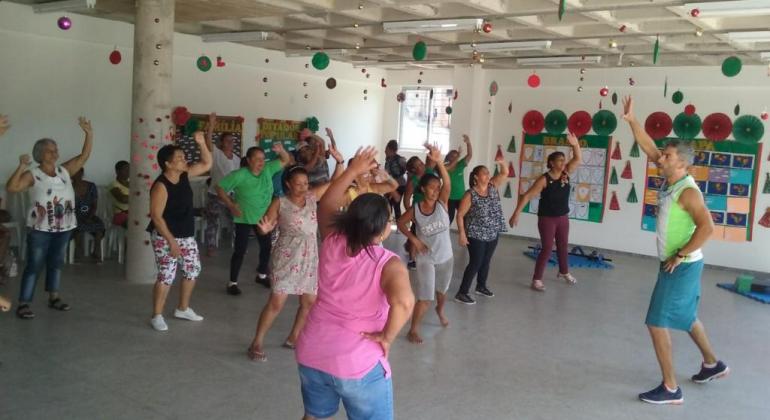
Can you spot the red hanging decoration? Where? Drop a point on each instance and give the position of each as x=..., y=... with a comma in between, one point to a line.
x=616, y=152
x=765, y=220
x=614, y=203
x=220, y=62
x=511, y=171
x=499, y=155
x=533, y=81
x=689, y=109
x=486, y=27
x=627, y=171
x=115, y=57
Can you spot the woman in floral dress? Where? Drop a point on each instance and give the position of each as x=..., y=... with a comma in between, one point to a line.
x=294, y=258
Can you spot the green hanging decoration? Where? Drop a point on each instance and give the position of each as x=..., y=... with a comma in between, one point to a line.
x=320, y=60
x=562, y=8
x=731, y=66
x=419, y=51
x=748, y=129
x=766, y=189
x=448, y=110
x=203, y=63
x=677, y=97
x=665, y=87
x=555, y=122
x=512, y=145
x=604, y=123
x=656, y=50
x=497, y=170
x=190, y=127
x=737, y=110
x=614, y=177
x=508, y=193
x=632, y=194
x=686, y=127
x=311, y=124
x=634, y=150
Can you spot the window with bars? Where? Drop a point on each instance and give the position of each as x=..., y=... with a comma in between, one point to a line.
x=424, y=117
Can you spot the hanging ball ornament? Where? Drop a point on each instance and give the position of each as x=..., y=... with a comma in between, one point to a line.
x=689, y=109
x=448, y=110
x=764, y=115
x=622, y=28
x=64, y=23
x=156, y=62
x=631, y=81
x=533, y=81
x=699, y=32
x=604, y=91
x=731, y=66
x=580, y=88
x=115, y=57
x=331, y=83
x=320, y=60
x=486, y=27
x=695, y=13
x=419, y=51
x=582, y=71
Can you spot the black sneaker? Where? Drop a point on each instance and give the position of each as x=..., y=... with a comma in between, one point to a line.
x=709, y=374
x=234, y=290
x=464, y=299
x=412, y=265
x=262, y=279
x=661, y=395
x=485, y=292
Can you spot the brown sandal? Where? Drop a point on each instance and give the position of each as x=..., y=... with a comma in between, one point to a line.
x=256, y=355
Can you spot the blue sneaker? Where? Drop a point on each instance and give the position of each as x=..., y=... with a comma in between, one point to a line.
x=709, y=374
x=661, y=395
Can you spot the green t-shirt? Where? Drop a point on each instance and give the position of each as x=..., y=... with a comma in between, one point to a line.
x=457, y=178
x=253, y=193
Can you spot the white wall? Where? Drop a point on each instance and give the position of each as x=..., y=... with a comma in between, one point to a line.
x=49, y=77
x=705, y=87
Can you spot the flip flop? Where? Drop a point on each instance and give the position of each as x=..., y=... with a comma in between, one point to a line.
x=288, y=345
x=58, y=305
x=538, y=285
x=255, y=355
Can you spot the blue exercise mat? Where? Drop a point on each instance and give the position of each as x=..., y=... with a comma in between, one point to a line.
x=762, y=297
x=573, y=261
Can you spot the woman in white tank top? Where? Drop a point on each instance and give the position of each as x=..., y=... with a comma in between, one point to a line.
x=51, y=218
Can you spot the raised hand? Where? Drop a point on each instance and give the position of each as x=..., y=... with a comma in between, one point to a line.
x=466, y=139
x=572, y=139
x=335, y=153
x=199, y=138
x=212, y=119
x=24, y=160
x=434, y=153
x=363, y=161
x=4, y=124
x=329, y=132
x=277, y=147
x=85, y=125
x=628, y=109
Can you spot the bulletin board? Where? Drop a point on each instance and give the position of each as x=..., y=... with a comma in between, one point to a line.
x=727, y=173
x=588, y=185
x=284, y=131
x=225, y=125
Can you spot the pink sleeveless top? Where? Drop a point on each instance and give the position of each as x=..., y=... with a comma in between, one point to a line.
x=350, y=301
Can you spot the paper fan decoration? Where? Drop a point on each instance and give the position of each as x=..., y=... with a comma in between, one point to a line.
x=512, y=145
x=717, y=126
x=508, y=193
x=748, y=129
x=686, y=127
x=604, y=123
x=626, y=174
x=511, y=171
x=614, y=177
x=616, y=153
x=765, y=220
x=634, y=150
x=533, y=122
x=614, y=205
x=579, y=123
x=203, y=63
x=555, y=122
x=658, y=125
x=632, y=194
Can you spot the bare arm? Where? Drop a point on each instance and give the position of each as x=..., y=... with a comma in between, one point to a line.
x=4, y=125
x=158, y=198
x=21, y=179
x=525, y=198
x=283, y=155
x=462, y=210
x=692, y=202
x=210, y=132
x=330, y=202
x=469, y=151
x=398, y=291
x=645, y=141
x=75, y=164
x=408, y=192
x=498, y=180
x=119, y=196
x=270, y=218
x=403, y=222
x=577, y=155
x=229, y=202
x=200, y=168
x=446, y=183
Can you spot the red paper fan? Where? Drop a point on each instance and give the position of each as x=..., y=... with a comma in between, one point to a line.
x=658, y=125
x=579, y=123
x=717, y=126
x=533, y=122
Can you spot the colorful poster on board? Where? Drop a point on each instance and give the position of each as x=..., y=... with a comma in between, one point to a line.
x=225, y=125
x=285, y=131
x=727, y=174
x=588, y=184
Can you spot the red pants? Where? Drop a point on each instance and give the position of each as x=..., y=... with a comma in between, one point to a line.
x=552, y=228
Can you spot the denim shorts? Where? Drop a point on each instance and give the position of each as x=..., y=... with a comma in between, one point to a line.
x=368, y=398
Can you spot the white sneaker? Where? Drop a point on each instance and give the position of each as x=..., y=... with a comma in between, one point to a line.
x=158, y=323
x=187, y=314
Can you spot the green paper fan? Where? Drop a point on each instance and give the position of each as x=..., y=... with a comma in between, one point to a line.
x=320, y=60
x=634, y=150
x=190, y=127
x=766, y=189
x=731, y=66
x=686, y=127
x=419, y=51
x=555, y=122
x=562, y=8
x=656, y=51
x=203, y=63
x=632, y=195
x=508, y=193
x=604, y=123
x=748, y=129
x=311, y=123
x=614, y=177
x=512, y=145
x=677, y=97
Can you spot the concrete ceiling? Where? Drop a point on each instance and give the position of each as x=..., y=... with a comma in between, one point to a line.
x=352, y=30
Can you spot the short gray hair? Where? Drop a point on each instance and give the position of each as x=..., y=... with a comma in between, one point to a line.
x=37, y=149
x=684, y=149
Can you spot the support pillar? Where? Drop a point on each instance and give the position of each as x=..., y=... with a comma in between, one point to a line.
x=151, y=126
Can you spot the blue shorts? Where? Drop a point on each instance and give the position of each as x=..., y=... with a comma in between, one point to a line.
x=370, y=397
x=674, y=302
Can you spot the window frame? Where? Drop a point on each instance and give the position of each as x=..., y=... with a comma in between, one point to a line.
x=428, y=129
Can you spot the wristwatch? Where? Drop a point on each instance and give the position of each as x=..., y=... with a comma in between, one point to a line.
x=680, y=255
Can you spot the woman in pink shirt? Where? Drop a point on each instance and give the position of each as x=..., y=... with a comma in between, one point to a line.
x=364, y=298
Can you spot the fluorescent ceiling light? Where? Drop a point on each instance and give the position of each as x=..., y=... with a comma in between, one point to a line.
x=765, y=56
x=248, y=36
x=418, y=26
x=507, y=46
x=64, y=6
x=588, y=59
x=751, y=36
x=731, y=8
x=338, y=52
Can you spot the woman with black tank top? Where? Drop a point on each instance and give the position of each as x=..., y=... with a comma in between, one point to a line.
x=172, y=228
x=552, y=219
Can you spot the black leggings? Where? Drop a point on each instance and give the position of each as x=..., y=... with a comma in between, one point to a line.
x=453, y=206
x=480, y=254
x=396, y=205
x=242, y=232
